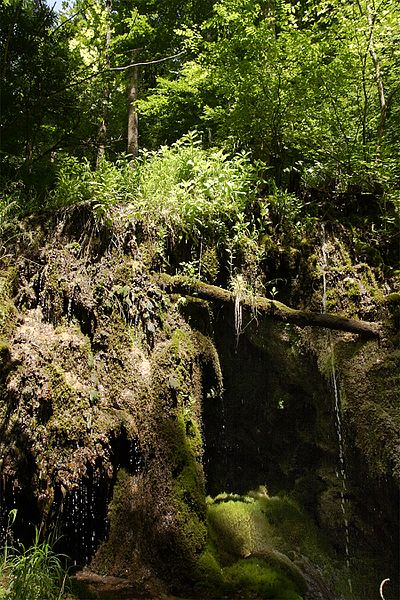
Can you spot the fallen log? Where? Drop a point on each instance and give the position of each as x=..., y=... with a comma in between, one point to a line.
x=271, y=308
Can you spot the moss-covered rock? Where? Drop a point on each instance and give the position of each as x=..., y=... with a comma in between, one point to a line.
x=120, y=406
x=250, y=540
x=96, y=390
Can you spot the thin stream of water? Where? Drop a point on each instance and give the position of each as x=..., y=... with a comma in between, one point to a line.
x=238, y=318
x=341, y=471
x=3, y=516
x=341, y=476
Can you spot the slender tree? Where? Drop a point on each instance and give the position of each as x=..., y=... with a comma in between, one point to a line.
x=102, y=137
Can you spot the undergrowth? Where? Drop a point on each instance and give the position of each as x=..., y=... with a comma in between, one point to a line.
x=207, y=207
x=31, y=573
x=182, y=191
x=202, y=204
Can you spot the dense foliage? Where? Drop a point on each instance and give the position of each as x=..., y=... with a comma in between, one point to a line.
x=215, y=139
x=308, y=89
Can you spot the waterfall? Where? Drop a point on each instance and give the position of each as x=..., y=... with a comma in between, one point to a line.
x=81, y=517
x=82, y=512
x=224, y=439
x=340, y=471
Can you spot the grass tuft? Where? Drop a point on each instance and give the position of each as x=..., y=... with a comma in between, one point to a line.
x=33, y=573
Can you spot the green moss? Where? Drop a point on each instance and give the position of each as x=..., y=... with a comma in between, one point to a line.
x=8, y=281
x=182, y=344
x=254, y=576
x=352, y=288
x=232, y=528
x=8, y=311
x=370, y=384
x=294, y=528
x=244, y=578
x=268, y=529
x=393, y=298
x=116, y=382
x=209, y=264
x=116, y=553
x=4, y=350
x=116, y=512
x=54, y=289
x=188, y=496
x=188, y=486
x=209, y=572
x=62, y=393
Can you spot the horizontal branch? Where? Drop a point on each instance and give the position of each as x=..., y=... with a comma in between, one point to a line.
x=107, y=69
x=149, y=62
x=271, y=308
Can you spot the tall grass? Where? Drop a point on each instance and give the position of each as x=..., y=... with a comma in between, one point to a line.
x=31, y=573
x=194, y=191
x=177, y=194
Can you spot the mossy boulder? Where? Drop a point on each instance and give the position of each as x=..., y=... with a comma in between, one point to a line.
x=256, y=549
x=100, y=400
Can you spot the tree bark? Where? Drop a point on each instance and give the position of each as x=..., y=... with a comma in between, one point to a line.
x=271, y=308
x=133, y=125
x=383, y=105
x=378, y=78
x=6, y=53
x=103, y=129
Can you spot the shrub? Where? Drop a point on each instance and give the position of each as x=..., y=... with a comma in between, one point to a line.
x=104, y=187
x=194, y=191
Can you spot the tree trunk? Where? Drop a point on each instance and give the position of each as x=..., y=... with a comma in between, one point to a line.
x=6, y=52
x=102, y=135
x=371, y=18
x=271, y=308
x=28, y=139
x=103, y=129
x=133, y=125
x=379, y=82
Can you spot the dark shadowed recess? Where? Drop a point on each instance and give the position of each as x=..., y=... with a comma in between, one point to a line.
x=78, y=518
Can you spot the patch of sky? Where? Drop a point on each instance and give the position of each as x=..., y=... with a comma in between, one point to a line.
x=58, y=4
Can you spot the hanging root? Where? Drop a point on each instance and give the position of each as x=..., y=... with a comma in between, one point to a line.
x=239, y=290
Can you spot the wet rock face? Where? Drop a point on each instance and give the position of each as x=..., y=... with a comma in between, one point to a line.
x=120, y=408
x=97, y=380
x=278, y=428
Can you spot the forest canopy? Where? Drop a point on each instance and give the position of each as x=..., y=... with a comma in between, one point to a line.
x=307, y=90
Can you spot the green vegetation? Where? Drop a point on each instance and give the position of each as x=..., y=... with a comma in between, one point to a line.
x=251, y=144
x=250, y=540
x=245, y=578
x=32, y=573
x=297, y=103
x=183, y=188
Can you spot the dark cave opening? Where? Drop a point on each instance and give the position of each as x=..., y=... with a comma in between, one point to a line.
x=275, y=427
x=78, y=518
x=82, y=513
x=263, y=431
